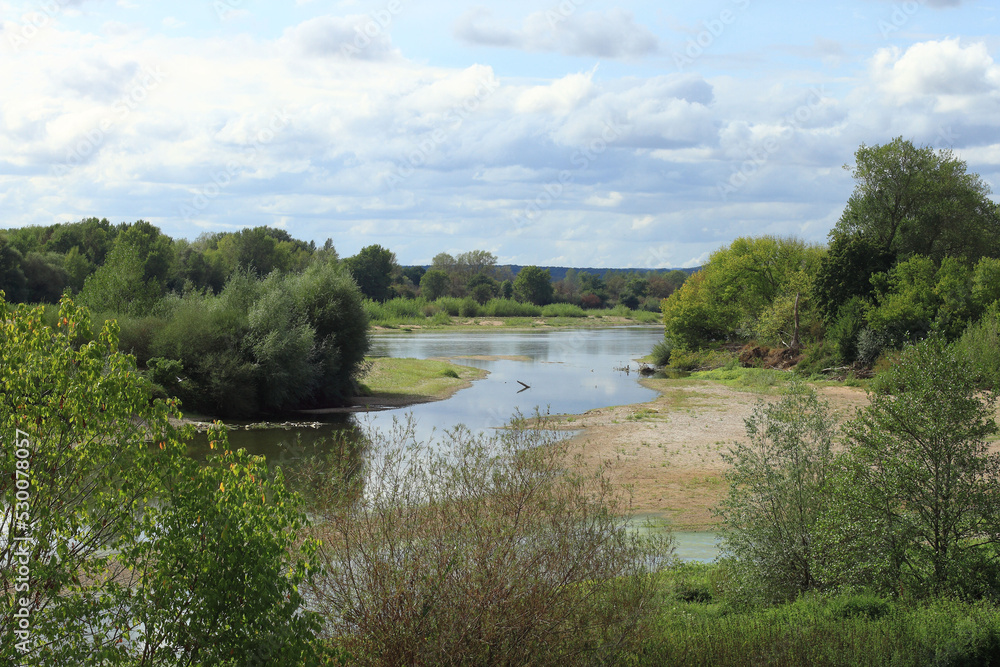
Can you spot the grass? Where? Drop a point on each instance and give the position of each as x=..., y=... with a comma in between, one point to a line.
x=696, y=625
x=411, y=314
x=756, y=380
x=426, y=378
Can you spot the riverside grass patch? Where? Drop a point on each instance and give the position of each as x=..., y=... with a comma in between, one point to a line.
x=401, y=312
x=696, y=625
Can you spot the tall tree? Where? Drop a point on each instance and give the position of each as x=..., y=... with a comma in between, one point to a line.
x=534, y=285
x=909, y=200
x=374, y=269
x=917, y=498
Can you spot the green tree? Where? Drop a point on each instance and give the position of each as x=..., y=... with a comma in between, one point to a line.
x=45, y=276
x=778, y=483
x=138, y=555
x=222, y=538
x=374, y=269
x=12, y=279
x=77, y=268
x=986, y=283
x=120, y=285
x=533, y=285
x=845, y=272
x=482, y=288
x=909, y=200
x=753, y=288
x=905, y=303
x=918, y=489
x=434, y=284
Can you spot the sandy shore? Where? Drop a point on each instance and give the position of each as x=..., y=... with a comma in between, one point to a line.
x=669, y=449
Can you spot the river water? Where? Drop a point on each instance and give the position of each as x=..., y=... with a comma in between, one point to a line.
x=568, y=371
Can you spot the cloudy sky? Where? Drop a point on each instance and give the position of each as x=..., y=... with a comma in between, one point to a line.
x=580, y=132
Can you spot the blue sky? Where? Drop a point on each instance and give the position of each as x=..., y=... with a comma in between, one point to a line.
x=578, y=133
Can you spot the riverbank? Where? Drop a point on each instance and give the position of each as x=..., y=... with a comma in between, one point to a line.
x=669, y=450
x=610, y=318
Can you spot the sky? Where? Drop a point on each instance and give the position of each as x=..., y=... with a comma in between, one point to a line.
x=574, y=133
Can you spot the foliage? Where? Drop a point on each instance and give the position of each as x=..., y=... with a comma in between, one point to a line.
x=778, y=481
x=138, y=556
x=844, y=273
x=918, y=201
x=978, y=348
x=690, y=315
x=905, y=302
x=917, y=489
x=120, y=284
x=563, y=310
x=661, y=353
x=533, y=285
x=749, y=289
x=848, y=629
x=481, y=550
x=986, y=283
x=845, y=330
x=434, y=284
x=248, y=609
x=373, y=269
x=292, y=340
x=509, y=308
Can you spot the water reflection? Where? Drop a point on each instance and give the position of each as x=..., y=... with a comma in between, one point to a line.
x=568, y=372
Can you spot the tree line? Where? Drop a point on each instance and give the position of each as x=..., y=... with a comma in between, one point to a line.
x=916, y=251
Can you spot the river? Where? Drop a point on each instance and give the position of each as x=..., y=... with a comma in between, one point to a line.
x=568, y=371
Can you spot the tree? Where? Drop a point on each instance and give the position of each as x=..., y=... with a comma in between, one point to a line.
x=918, y=490
x=46, y=278
x=845, y=272
x=138, y=555
x=120, y=286
x=909, y=200
x=373, y=269
x=434, y=284
x=778, y=482
x=482, y=288
x=12, y=280
x=534, y=285
x=747, y=290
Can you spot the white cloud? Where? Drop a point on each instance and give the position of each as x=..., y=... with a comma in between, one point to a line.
x=951, y=76
x=356, y=36
x=613, y=199
x=612, y=34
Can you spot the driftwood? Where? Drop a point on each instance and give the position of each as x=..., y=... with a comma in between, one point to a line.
x=526, y=387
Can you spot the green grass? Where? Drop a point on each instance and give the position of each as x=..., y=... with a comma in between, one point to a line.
x=425, y=378
x=762, y=380
x=696, y=627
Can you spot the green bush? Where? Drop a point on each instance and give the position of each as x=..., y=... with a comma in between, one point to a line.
x=509, y=308
x=563, y=310
x=481, y=549
x=844, y=331
x=978, y=347
x=840, y=631
x=469, y=307
x=450, y=305
x=661, y=353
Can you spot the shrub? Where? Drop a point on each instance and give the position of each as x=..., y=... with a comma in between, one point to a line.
x=481, y=550
x=509, y=308
x=469, y=307
x=978, y=347
x=778, y=483
x=563, y=310
x=450, y=305
x=661, y=353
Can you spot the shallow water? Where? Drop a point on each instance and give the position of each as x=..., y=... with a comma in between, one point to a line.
x=568, y=372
